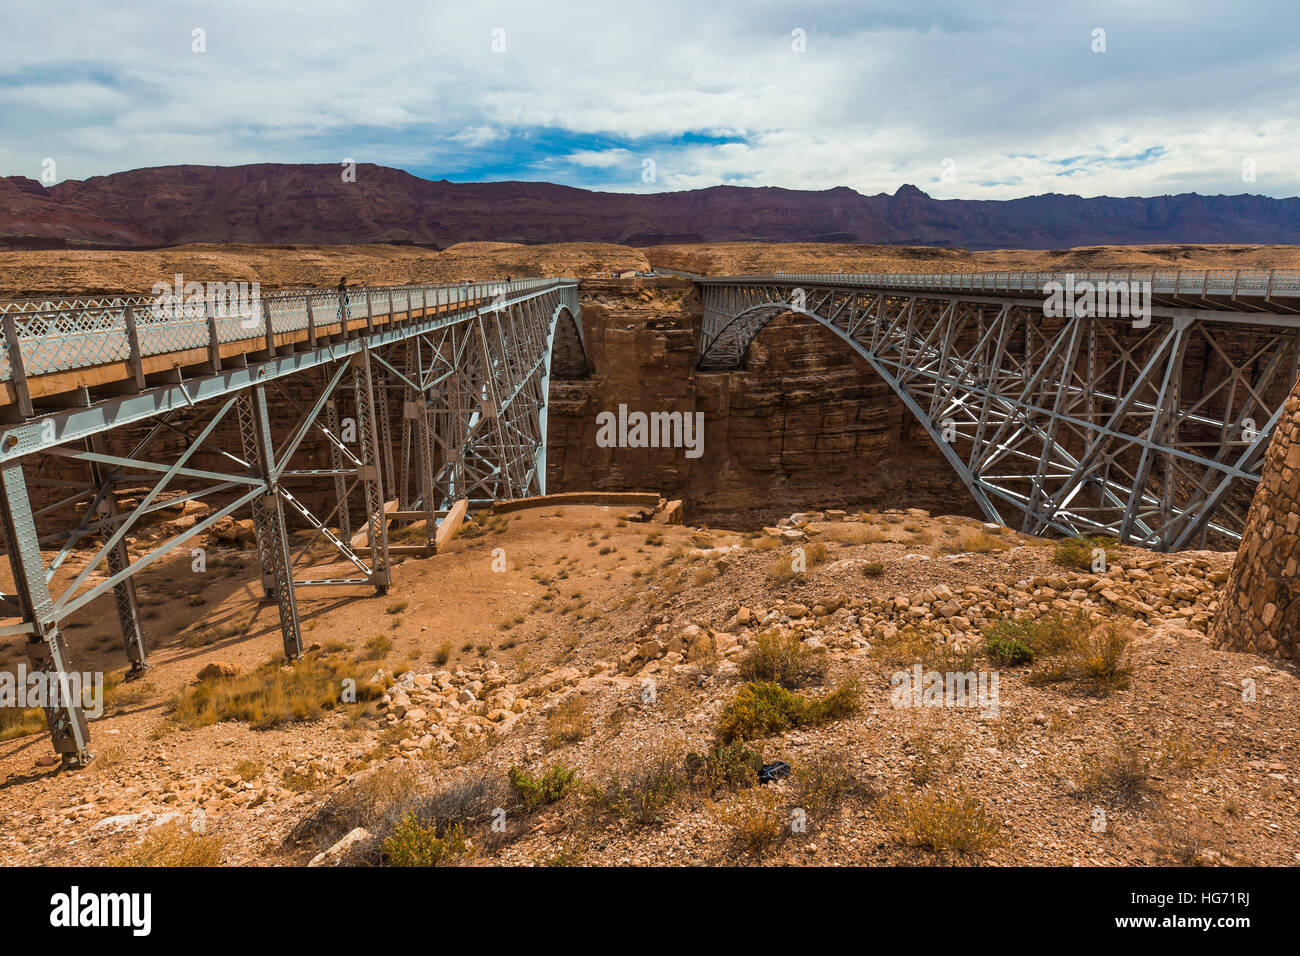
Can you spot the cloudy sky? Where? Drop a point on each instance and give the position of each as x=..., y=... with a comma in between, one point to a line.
x=984, y=100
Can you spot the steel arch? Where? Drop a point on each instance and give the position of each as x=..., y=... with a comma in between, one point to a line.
x=1042, y=417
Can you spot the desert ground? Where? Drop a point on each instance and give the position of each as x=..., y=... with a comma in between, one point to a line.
x=584, y=677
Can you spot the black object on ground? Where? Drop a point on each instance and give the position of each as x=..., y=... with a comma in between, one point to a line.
x=773, y=771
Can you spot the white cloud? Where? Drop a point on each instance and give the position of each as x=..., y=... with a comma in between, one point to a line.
x=1010, y=91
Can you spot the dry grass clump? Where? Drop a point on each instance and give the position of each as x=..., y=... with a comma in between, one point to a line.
x=1078, y=553
x=855, y=533
x=275, y=693
x=822, y=783
x=172, y=844
x=925, y=646
x=1123, y=774
x=940, y=822
x=19, y=722
x=873, y=569
x=569, y=722
x=798, y=562
x=782, y=659
x=1099, y=656
x=639, y=795
x=979, y=543
x=643, y=793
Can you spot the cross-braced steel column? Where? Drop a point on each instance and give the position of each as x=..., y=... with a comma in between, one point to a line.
x=371, y=477
x=128, y=608
x=268, y=516
x=45, y=647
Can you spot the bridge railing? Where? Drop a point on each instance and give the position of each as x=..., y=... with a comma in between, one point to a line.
x=1229, y=283
x=46, y=335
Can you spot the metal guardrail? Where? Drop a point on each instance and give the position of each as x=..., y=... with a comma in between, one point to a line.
x=1229, y=283
x=48, y=335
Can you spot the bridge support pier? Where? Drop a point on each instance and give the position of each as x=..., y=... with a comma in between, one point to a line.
x=268, y=516
x=371, y=470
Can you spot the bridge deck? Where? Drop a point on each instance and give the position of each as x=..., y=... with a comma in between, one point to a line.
x=52, y=347
x=1266, y=290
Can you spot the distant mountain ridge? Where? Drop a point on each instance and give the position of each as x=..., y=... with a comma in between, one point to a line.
x=279, y=203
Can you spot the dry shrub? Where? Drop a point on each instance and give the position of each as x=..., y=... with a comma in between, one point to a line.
x=1077, y=553
x=375, y=800
x=755, y=820
x=569, y=722
x=940, y=822
x=822, y=783
x=1122, y=774
x=782, y=659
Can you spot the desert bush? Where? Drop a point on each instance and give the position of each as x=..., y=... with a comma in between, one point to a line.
x=569, y=722
x=761, y=709
x=1107, y=661
x=374, y=800
x=1006, y=644
x=754, y=819
x=534, y=793
x=414, y=843
x=873, y=569
x=640, y=795
x=248, y=768
x=983, y=543
x=1123, y=774
x=822, y=783
x=940, y=822
x=782, y=659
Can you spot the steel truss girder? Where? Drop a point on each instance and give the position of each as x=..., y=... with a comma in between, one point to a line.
x=1080, y=425
x=477, y=379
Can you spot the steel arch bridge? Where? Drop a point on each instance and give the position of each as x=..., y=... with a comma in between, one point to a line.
x=426, y=400
x=1150, y=429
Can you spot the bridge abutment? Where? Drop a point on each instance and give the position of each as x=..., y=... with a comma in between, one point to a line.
x=1261, y=609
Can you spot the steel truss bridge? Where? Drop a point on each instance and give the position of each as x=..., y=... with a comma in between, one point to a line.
x=1151, y=429
x=175, y=395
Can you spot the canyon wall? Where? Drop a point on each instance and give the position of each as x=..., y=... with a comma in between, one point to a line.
x=805, y=424
x=1261, y=611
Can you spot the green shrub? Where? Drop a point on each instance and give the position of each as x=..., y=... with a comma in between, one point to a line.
x=413, y=843
x=761, y=709
x=536, y=792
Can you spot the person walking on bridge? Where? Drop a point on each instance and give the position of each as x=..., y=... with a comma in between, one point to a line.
x=343, y=303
